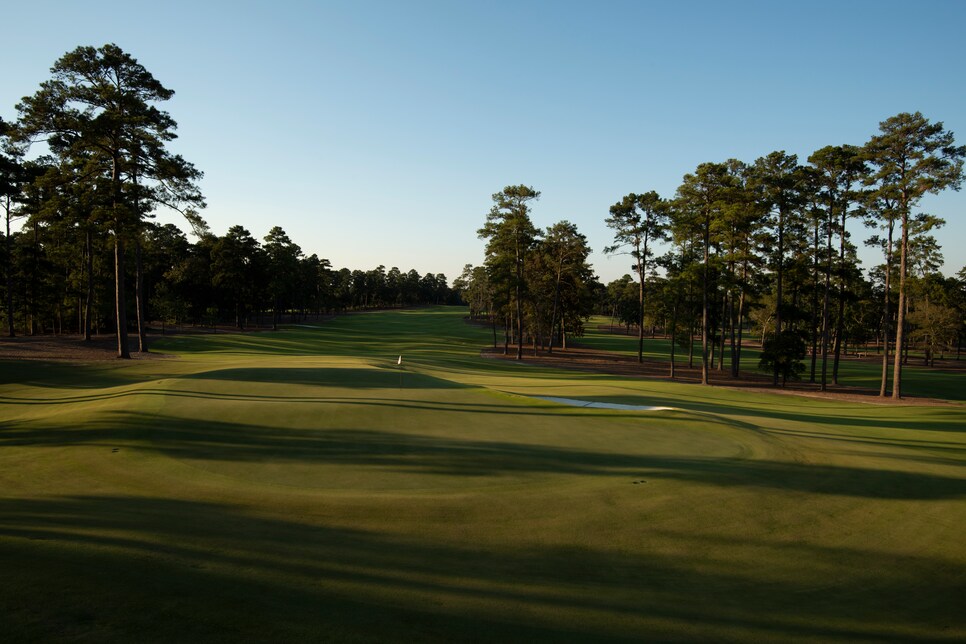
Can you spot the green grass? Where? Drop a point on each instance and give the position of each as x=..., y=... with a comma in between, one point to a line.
x=297, y=485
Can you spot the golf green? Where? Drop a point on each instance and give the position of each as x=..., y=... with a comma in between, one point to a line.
x=304, y=485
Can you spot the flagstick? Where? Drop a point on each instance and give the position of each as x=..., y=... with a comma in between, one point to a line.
x=399, y=364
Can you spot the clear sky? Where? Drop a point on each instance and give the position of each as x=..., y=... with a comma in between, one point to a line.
x=375, y=132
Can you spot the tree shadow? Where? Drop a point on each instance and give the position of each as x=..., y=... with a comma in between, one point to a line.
x=118, y=568
x=66, y=375
x=416, y=454
x=374, y=378
x=943, y=419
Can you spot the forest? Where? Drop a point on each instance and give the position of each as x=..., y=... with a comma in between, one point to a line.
x=86, y=236
x=741, y=251
x=761, y=247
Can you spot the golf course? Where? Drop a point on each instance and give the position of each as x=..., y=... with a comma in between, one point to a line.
x=372, y=477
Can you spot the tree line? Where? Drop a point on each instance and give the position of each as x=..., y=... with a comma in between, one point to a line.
x=764, y=246
x=85, y=207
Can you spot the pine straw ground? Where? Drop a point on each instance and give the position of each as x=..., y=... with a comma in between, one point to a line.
x=69, y=348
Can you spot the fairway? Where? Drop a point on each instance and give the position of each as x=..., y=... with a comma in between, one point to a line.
x=301, y=485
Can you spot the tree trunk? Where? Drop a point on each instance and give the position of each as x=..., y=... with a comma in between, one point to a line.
x=11, y=331
x=840, y=321
x=34, y=288
x=732, y=338
x=139, y=299
x=674, y=328
x=120, y=296
x=885, y=315
x=779, y=295
x=811, y=377
x=89, y=300
x=506, y=334
x=519, y=291
x=724, y=328
x=640, y=328
x=825, y=306
x=691, y=331
x=736, y=357
x=901, y=312
x=704, y=300
x=553, y=310
x=640, y=314
x=120, y=300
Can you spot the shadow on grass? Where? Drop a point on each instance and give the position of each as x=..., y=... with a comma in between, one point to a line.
x=943, y=419
x=358, y=379
x=331, y=377
x=115, y=568
x=425, y=455
x=66, y=375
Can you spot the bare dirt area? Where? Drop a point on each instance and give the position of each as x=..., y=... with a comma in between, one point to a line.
x=596, y=361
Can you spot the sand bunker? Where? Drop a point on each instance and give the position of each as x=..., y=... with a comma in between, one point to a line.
x=602, y=405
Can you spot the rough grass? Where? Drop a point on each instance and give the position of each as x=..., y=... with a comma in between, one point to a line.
x=299, y=485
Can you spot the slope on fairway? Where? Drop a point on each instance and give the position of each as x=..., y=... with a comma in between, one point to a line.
x=301, y=485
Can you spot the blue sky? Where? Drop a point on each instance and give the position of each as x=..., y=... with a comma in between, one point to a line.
x=375, y=132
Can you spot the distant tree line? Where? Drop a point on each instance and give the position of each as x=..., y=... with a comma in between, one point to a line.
x=85, y=238
x=760, y=246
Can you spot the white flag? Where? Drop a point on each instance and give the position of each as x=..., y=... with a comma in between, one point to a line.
x=399, y=361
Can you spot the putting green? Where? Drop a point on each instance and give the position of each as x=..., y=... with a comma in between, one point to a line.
x=302, y=485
